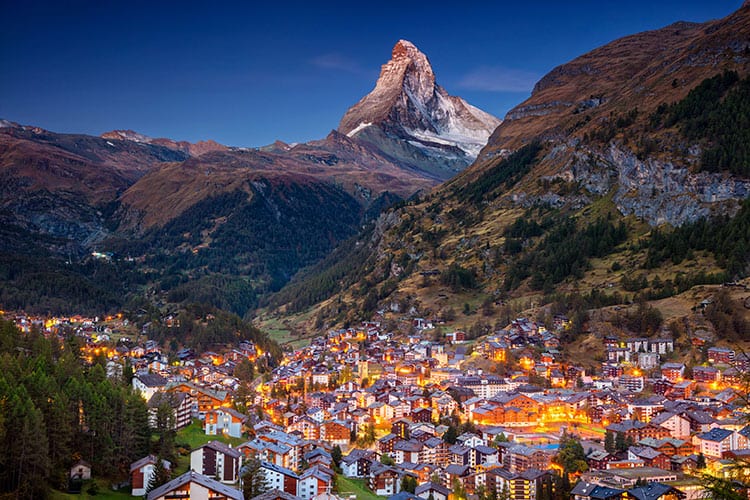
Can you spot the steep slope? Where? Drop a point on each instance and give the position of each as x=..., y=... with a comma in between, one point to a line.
x=355, y=167
x=564, y=197
x=596, y=114
x=411, y=118
x=61, y=185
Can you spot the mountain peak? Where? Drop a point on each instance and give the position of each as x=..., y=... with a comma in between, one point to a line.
x=412, y=118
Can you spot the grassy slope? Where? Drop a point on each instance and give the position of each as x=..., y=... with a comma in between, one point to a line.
x=349, y=486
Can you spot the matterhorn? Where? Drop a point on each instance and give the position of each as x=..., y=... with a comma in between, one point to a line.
x=413, y=120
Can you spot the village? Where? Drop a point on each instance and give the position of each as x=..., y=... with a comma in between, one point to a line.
x=364, y=412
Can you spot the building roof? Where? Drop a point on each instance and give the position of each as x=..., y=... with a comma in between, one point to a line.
x=430, y=486
x=148, y=459
x=173, y=399
x=404, y=495
x=652, y=491
x=151, y=379
x=275, y=495
x=221, y=448
x=591, y=490
x=279, y=469
x=716, y=434
x=205, y=481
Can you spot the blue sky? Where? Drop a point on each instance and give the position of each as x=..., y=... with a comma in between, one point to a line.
x=248, y=73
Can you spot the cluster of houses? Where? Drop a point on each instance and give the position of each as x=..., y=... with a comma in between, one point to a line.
x=382, y=400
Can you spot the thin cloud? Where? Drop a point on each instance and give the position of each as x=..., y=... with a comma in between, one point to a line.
x=337, y=62
x=499, y=79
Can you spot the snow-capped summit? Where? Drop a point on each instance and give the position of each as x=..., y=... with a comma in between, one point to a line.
x=411, y=118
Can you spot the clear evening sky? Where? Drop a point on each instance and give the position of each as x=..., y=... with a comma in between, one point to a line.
x=248, y=73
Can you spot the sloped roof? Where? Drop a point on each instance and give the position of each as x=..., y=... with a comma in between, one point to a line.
x=192, y=476
x=652, y=491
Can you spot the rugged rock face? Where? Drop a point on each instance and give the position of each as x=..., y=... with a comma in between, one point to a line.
x=654, y=190
x=571, y=106
x=412, y=119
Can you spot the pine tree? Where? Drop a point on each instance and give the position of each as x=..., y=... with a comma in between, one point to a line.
x=408, y=483
x=609, y=442
x=336, y=456
x=450, y=435
x=161, y=475
x=620, y=444
x=254, y=478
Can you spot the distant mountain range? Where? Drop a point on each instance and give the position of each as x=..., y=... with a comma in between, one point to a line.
x=180, y=208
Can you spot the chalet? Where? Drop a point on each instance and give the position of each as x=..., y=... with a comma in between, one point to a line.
x=434, y=450
x=194, y=485
x=684, y=463
x=636, y=430
x=335, y=432
x=387, y=443
x=421, y=415
x=459, y=454
x=307, y=427
x=598, y=459
x=205, y=399
x=141, y=472
x=649, y=456
x=80, y=470
x=460, y=473
x=275, y=453
x=668, y=446
x=655, y=491
x=434, y=490
x=180, y=404
x=407, y=451
x=216, y=459
x=519, y=458
x=318, y=456
x=720, y=355
x=316, y=480
x=700, y=421
x=384, y=480
x=591, y=491
x=357, y=463
x=400, y=428
x=148, y=384
x=456, y=337
x=706, y=374
x=678, y=425
x=715, y=442
x=226, y=421
x=280, y=478
x=674, y=372
x=485, y=455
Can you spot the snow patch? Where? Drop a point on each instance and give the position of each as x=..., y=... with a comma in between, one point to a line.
x=359, y=127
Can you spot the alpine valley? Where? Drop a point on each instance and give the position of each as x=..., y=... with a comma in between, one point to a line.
x=429, y=303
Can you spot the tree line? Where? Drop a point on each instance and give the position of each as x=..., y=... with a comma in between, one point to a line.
x=54, y=410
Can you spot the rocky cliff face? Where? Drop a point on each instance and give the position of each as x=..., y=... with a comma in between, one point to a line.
x=572, y=104
x=412, y=119
x=654, y=190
